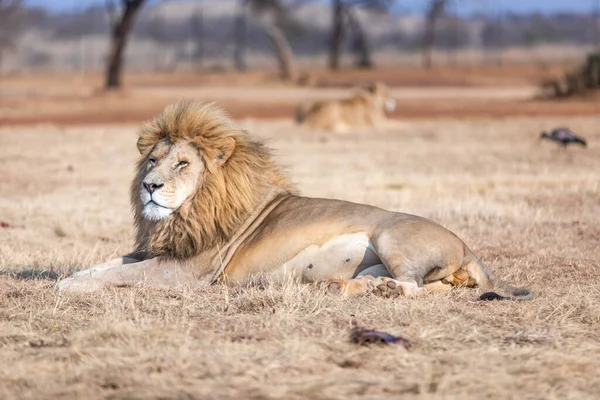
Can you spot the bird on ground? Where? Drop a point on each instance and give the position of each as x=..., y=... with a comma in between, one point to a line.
x=563, y=136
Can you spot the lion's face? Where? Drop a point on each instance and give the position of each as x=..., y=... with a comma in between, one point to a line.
x=198, y=177
x=173, y=173
x=383, y=95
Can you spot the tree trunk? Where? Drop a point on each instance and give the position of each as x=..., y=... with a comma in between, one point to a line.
x=239, y=52
x=118, y=41
x=360, y=45
x=436, y=8
x=197, y=27
x=283, y=51
x=337, y=34
x=8, y=27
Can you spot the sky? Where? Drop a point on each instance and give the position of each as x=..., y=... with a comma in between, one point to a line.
x=463, y=6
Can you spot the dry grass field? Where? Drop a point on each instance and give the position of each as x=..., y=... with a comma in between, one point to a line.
x=530, y=211
x=485, y=91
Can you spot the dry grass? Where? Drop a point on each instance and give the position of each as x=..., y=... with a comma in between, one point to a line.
x=530, y=211
x=484, y=91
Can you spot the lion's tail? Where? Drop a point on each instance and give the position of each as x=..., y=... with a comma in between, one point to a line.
x=485, y=278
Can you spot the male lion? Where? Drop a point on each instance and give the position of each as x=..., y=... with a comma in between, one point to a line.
x=363, y=110
x=211, y=205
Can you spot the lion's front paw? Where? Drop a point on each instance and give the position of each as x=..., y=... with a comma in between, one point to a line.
x=83, y=281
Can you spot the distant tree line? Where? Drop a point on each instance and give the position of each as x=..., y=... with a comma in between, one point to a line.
x=510, y=30
x=262, y=26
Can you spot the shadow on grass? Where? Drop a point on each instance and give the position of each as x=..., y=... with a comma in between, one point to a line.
x=33, y=274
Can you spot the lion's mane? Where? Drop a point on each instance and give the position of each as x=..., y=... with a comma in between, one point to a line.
x=228, y=194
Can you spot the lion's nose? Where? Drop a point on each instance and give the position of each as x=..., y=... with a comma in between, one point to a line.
x=151, y=187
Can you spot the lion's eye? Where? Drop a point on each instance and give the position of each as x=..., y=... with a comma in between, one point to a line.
x=181, y=164
x=152, y=162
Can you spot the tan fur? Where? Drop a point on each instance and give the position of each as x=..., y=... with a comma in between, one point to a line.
x=241, y=220
x=364, y=109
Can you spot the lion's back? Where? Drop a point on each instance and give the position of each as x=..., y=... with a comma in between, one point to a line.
x=323, y=115
x=333, y=114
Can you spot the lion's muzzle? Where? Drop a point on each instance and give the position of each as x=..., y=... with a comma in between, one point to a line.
x=154, y=203
x=151, y=187
x=390, y=105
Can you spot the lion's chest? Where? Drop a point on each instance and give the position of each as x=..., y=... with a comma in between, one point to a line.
x=340, y=257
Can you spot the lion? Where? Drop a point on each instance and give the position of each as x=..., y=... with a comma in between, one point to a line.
x=211, y=206
x=365, y=109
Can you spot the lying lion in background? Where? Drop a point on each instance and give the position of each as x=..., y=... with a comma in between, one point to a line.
x=363, y=110
x=211, y=205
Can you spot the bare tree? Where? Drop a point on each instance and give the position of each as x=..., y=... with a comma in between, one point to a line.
x=276, y=14
x=240, y=31
x=285, y=56
x=596, y=24
x=344, y=16
x=435, y=10
x=337, y=33
x=360, y=44
x=121, y=22
x=8, y=10
x=197, y=31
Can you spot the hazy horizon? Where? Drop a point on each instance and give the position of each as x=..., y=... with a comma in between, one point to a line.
x=490, y=7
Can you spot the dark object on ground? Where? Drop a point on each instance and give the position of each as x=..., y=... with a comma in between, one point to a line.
x=366, y=336
x=579, y=82
x=491, y=296
x=8, y=225
x=563, y=137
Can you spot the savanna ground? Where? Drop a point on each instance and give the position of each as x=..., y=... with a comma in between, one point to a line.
x=530, y=211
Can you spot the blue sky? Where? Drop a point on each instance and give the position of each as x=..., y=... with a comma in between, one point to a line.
x=463, y=6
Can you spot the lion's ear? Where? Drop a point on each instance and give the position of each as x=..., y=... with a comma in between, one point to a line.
x=139, y=145
x=372, y=87
x=225, y=151
x=143, y=145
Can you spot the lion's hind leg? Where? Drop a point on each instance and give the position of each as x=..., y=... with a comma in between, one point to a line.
x=362, y=283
